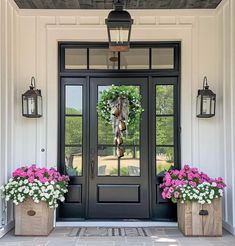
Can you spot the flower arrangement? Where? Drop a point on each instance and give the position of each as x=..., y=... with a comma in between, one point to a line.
x=129, y=92
x=41, y=184
x=188, y=184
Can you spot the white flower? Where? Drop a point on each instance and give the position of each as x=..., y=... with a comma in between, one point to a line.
x=26, y=181
x=50, y=187
x=62, y=199
x=47, y=196
x=26, y=190
x=214, y=184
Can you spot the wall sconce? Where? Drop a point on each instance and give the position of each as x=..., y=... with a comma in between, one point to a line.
x=32, y=102
x=119, y=28
x=206, y=101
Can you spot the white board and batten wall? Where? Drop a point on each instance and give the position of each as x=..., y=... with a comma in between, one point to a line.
x=29, y=48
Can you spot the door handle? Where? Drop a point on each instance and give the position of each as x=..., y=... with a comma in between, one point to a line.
x=92, y=168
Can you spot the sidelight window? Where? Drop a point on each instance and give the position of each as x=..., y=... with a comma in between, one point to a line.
x=73, y=130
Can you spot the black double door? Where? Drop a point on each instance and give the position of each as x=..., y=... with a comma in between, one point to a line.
x=118, y=187
x=103, y=186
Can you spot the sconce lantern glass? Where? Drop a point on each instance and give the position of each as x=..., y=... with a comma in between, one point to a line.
x=32, y=102
x=206, y=101
x=119, y=28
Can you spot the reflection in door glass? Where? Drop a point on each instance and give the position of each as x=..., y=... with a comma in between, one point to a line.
x=73, y=96
x=73, y=161
x=130, y=163
x=75, y=58
x=164, y=158
x=73, y=122
x=164, y=127
x=105, y=133
x=164, y=99
x=108, y=162
x=162, y=58
x=73, y=130
x=164, y=130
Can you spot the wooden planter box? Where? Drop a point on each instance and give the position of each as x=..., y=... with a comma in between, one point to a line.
x=33, y=219
x=195, y=219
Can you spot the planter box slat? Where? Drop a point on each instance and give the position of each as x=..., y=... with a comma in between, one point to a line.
x=33, y=219
x=193, y=224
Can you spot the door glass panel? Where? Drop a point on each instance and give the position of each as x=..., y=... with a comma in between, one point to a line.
x=105, y=135
x=75, y=58
x=135, y=59
x=164, y=130
x=164, y=158
x=133, y=135
x=107, y=161
x=73, y=130
x=73, y=95
x=162, y=58
x=73, y=161
x=102, y=59
x=130, y=163
x=164, y=99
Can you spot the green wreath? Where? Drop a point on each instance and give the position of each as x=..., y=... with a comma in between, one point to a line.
x=129, y=92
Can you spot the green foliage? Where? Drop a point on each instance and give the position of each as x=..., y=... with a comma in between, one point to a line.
x=164, y=99
x=123, y=171
x=129, y=92
x=73, y=126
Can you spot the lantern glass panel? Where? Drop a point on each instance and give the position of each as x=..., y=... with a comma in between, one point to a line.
x=199, y=98
x=206, y=105
x=119, y=35
x=31, y=105
x=213, y=106
x=25, y=105
x=39, y=105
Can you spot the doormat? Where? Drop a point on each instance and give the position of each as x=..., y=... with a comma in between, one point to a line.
x=109, y=232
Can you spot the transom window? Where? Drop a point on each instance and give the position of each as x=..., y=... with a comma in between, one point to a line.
x=153, y=57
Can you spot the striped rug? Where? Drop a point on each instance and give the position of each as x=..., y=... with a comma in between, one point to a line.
x=109, y=232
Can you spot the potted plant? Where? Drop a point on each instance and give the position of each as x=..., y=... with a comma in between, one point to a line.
x=198, y=200
x=35, y=191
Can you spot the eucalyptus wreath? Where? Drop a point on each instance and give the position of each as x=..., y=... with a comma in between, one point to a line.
x=111, y=94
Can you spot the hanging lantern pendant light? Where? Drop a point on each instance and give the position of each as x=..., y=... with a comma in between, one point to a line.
x=119, y=28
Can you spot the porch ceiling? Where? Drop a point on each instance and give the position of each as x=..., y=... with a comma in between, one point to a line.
x=108, y=4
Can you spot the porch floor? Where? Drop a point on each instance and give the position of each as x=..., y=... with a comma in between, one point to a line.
x=61, y=236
